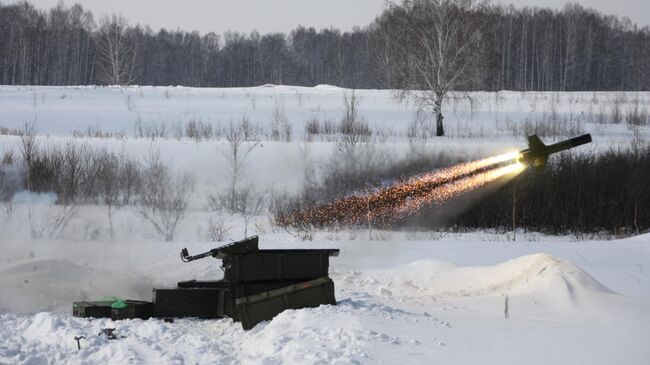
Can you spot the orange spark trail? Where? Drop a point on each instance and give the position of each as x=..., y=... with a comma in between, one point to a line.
x=456, y=188
x=395, y=202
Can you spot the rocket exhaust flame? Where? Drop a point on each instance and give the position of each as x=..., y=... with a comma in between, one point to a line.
x=458, y=187
x=387, y=205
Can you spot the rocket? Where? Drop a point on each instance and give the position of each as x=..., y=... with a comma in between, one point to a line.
x=536, y=155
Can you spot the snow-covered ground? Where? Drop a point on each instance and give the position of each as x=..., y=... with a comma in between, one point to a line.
x=406, y=298
x=399, y=301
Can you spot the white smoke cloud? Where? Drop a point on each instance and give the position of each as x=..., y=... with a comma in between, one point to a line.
x=35, y=215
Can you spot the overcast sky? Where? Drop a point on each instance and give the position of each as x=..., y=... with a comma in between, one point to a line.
x=284, y=15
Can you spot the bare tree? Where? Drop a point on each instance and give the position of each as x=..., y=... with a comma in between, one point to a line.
x=60, y=218
x=109, y=187
x=354, y=155
x=572, y=24
x=353, y=127
x=280, y=127
x=249, y=203
x=237, y=149
x=28, y=149
x=438, y=51
x=240, y=197
x=44, y=217
x=129, y=178
x=162, y=199
x=11, y=181
x=216, y=231
x=117, y=57
x=76, y=159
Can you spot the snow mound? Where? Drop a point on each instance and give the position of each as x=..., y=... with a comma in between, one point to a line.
x=538, y=274
x=53, y=284
x=322, y=335
x=523, y=275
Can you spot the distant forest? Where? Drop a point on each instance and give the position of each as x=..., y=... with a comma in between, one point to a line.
x=527, y=49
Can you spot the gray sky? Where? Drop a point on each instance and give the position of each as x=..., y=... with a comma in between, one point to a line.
x=284, y=15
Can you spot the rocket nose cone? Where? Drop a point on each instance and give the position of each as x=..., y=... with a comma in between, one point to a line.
x=583, y=139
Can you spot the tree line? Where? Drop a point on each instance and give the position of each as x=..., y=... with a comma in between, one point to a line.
x=524, y=49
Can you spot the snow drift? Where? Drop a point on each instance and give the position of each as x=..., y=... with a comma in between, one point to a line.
x=546, y=281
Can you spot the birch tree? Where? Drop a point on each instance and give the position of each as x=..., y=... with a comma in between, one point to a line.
x=117, y=57
x=439, y=50
x=162, y=198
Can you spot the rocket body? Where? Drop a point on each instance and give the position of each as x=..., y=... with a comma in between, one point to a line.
x=536, y=155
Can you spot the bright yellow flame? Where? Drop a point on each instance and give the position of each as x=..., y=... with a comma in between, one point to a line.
x=501, y=158
x=515, y=168
x=462, y=169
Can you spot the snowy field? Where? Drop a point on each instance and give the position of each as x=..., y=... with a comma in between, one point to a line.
x=60, y=111
x=404, y=297
x=399, y=301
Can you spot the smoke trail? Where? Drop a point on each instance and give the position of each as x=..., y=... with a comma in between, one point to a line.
x=391, y=204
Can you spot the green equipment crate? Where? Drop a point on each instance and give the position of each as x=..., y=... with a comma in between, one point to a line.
x=264, y=306
x=201, y=284
x=235, y=290
x=191, y=302
x=277, y=265
x=92, y=309
x=115, y=309
x=131, y=309
x=239, y=290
